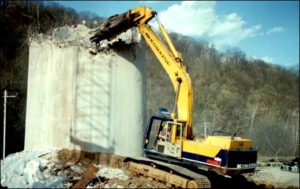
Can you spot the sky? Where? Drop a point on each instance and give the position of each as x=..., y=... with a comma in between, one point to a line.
x=267, y=30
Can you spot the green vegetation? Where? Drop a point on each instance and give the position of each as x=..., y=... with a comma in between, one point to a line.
x=231, y=93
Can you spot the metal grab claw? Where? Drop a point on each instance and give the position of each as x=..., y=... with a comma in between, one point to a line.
x=114, y=26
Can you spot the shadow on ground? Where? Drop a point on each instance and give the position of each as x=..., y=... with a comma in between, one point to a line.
x=236, y=182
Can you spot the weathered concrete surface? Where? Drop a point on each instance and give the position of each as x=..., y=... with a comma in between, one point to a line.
x=79, y=100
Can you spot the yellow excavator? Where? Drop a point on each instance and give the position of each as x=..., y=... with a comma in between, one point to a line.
x=169, y=138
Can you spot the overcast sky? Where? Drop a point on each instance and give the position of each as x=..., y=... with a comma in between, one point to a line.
x=268, y=30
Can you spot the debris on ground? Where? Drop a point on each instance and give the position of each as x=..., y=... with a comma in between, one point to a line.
x=271, y=174
x=291, y=165
x=26, y=170
x=63, y=168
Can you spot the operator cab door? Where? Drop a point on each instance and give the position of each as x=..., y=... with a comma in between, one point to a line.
x=167, y=142
x=164, y=136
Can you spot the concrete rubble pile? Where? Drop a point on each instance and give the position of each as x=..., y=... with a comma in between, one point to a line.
x=48, y=169
x=26, y=170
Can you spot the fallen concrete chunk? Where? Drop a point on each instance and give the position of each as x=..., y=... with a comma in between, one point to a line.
x=22, y=170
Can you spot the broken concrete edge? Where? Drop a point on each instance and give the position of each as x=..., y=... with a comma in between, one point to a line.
x=66, y=36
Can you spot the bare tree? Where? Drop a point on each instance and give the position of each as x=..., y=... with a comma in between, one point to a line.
x=254, y=112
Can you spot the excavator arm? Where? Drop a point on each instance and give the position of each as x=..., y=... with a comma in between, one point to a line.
x=167, y=55
x=170, y=139
x=180, y=79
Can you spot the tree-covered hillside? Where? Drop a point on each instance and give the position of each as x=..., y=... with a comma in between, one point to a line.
x=231, y=92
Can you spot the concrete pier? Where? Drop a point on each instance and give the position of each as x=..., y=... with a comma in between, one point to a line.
x=75, y=99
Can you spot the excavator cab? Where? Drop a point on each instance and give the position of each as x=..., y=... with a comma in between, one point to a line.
x=164, y=136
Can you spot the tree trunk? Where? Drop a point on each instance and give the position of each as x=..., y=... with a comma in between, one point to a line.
x=253, y=118
x=38, y=16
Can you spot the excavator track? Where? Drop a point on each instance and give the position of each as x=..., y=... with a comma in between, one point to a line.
x=172, y=175
x=202, y=183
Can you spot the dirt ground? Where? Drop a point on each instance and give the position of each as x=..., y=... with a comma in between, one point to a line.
x=274, y=176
